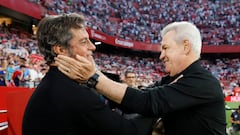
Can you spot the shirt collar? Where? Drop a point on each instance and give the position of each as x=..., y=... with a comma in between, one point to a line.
x=193, y=67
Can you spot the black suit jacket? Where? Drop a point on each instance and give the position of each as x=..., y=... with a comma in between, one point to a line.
x=60, y=106
x=194, y=105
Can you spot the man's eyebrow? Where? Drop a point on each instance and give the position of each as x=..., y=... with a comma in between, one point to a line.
x=164, y=45
x=83, y=39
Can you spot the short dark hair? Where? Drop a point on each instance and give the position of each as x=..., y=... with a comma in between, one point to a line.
x=129, y=71
x=22, y=66
x=55, y=30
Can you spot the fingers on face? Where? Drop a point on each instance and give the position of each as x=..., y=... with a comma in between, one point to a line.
x=82, y=59
x=60, y=62
x=64, y=59
x=66, y=65
x=74, y=68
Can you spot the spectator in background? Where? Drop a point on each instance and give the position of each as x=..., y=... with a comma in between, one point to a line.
x=9, y=72
x=235, y=120
x=57, y=106
x=17, y=76
x=34, y=75
x=130, y=78
x=189, y=100
x=3, y=66
x=2, y=78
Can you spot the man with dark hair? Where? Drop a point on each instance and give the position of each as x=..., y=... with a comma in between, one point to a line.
x=130, y=78
x=57, y=106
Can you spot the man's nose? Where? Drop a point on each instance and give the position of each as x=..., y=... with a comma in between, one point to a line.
x=91, y=46
x=161, y=56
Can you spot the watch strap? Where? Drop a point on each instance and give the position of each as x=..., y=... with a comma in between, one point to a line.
x=93, y=80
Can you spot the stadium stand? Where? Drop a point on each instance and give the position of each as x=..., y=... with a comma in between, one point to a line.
x=135, y=20
x=219, y=20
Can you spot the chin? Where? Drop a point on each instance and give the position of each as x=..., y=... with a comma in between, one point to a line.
x=167, y=71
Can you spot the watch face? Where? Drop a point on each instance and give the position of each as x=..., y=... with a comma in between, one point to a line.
x=95, y=77
x=92, y=82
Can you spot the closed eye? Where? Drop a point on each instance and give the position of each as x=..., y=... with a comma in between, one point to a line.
x=83, y=41
x=164, y=47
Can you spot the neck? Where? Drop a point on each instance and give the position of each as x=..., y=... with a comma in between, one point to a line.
x=188, y=61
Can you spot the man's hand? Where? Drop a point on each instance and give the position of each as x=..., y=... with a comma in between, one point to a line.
x=238, y=122
x=79, y=69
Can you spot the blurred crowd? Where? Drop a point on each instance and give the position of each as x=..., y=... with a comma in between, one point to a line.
x=142, y=20
x=18, y=50
x=20, y=62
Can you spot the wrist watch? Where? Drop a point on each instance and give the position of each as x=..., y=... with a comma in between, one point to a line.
x=92, y=81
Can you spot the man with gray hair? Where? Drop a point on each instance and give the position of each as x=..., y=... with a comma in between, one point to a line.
x=189, y=99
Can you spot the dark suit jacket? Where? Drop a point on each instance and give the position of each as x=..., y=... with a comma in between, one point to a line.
x=60, y=106
x=194, y=105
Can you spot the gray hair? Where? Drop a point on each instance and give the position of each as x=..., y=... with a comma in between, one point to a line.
x=185, y=31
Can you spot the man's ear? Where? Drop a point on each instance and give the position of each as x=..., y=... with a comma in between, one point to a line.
x=187, y=46
x=59, y=50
